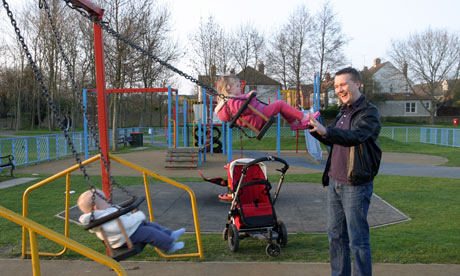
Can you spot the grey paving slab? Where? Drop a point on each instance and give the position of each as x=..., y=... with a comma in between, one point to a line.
x=20, y=267
x=16, y=181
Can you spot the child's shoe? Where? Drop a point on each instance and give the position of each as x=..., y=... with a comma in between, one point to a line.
x=176, y=234
x=176, y=246
x=305, y=122
x=295, y=125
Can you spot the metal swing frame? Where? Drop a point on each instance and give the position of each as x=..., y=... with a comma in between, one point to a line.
x=104, y=160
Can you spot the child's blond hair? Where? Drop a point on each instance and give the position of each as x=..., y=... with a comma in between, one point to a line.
x=225, y=83
x=85, y=201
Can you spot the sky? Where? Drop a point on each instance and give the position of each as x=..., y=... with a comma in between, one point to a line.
x=370, y=25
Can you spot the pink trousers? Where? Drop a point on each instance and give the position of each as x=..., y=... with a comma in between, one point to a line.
x=289, y=113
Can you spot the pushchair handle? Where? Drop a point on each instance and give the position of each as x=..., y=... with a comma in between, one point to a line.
x=267, y=158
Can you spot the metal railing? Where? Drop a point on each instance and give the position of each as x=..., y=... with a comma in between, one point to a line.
x=449, y=137
x=36, y=149
x=43, y=148
x=144, y=172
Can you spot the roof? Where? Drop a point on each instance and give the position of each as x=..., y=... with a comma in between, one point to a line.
x=376, y=68
x=249, y=74
x=403, y=96
x=254, y=77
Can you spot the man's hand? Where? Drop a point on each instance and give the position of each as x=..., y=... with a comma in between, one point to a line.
x=316, y=126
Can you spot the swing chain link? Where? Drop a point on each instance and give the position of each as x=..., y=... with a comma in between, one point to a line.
x=45, y=90
x=105, y=25
x=80, y=99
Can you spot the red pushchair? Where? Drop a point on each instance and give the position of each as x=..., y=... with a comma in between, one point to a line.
x=252, y=212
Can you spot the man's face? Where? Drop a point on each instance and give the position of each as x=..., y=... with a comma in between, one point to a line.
x=346, y=89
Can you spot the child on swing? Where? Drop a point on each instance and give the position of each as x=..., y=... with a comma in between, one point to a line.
x=227, y=108
x=137, y=228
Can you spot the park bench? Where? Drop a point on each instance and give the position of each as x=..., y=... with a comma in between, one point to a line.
x=125, y=140
x=7, y=161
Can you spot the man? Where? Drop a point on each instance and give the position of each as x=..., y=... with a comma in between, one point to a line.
x=352, y=164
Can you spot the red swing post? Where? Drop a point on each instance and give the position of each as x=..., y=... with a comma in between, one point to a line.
x=100, y=88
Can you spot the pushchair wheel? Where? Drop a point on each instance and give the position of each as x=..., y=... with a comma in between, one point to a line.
x=282, y=234
x=225, y=233
x=273, y=249
x=233, y=238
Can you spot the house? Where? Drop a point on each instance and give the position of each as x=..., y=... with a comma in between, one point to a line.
x=385, y=82
x=265, y=86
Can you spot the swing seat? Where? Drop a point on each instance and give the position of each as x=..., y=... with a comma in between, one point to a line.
x=124, y=252
x=125, y=208
x=128, y=249
x=259, y=132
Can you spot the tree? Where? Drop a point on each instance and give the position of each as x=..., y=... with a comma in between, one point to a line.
x=327, y=42
x=277, y=58
x=247, y=46
x=298, y=32
x=427, y=59
x=155, y=38
x=209, y=47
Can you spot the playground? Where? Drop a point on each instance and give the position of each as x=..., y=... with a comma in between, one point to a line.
x=310, y=219
x=301, y=204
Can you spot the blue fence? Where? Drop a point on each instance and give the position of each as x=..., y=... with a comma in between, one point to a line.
x=36, y=149
x=449, y=137
x=42, y=148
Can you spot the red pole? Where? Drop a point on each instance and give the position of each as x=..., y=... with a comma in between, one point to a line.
x=297, y=141
x=102, y=105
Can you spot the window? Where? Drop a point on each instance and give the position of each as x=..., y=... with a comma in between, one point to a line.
x=391, y=88
x=427, y=105
x=410, y=107
x=407, y=88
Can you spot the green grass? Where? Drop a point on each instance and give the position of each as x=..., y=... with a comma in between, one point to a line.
x=451, y=153
x=430, y=237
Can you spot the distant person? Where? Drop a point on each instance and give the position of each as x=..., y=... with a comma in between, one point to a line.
x=227, y=108
x=68, y=121
x=353, y=163
x=138, y=229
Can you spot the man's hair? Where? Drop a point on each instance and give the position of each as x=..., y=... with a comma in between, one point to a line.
x=355, y=75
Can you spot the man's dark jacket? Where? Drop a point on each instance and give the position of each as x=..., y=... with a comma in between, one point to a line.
x=365, y=153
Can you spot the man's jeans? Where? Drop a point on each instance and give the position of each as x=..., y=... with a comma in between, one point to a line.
x=347, y=228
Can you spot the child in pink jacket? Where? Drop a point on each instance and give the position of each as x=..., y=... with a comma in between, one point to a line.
x=227, y=108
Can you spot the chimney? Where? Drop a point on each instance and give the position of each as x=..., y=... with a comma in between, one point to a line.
x=404, y=69
x=261, y=67
x=232, y=71
x=365, y=69
x=213, y=70
x=376, y=61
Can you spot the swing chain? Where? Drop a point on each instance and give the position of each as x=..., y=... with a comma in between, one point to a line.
x=85, y=113
x=105, y=25
x=45, y=90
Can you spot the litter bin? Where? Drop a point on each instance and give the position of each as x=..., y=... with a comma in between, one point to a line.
x=137, y=139
x=455, y=122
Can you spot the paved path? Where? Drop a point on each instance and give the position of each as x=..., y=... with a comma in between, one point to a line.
x=300, y=163
x=18, y=267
